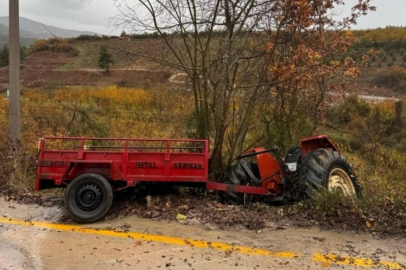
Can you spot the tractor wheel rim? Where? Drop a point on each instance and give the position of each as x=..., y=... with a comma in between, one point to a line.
x=340, y=181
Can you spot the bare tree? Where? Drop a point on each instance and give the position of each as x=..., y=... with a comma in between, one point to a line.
x=229, y=50
x=210, y=43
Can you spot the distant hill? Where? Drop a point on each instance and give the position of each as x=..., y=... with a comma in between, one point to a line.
x=31, y=30
x=387, y=34
x=26, y=38
x=23, y=40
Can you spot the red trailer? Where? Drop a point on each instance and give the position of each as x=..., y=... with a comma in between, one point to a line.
x=91, y=169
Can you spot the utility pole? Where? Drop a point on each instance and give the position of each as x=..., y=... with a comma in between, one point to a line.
x=14, y=74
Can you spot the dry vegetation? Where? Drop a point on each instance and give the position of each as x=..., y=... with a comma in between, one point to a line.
x=373, y=138
x=368, y=134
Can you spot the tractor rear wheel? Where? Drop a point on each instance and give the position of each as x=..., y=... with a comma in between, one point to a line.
x=325, y=169
x=236, y=175
x=88, y=198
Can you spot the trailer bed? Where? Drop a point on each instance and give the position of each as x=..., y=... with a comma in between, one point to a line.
x=123, y=161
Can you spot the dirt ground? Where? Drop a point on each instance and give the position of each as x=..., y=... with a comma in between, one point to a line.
x=39, y=70
x=43, y=69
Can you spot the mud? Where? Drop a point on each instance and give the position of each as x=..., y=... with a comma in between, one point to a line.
x=22, y=211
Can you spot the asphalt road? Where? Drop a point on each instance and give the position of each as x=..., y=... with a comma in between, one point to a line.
x=31, y=238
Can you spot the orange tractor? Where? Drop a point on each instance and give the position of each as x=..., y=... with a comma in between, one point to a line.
x=316, y=165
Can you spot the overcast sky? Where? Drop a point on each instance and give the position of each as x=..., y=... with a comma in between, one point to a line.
x=92, y=15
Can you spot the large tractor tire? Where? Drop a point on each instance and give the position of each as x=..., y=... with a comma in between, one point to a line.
x=236, y=175
x=88, y=198
x=325, y=169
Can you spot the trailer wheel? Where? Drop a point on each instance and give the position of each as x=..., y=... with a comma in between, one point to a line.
x=325, y=169
x=88, y=197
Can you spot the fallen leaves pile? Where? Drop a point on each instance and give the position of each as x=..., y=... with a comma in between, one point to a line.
x=191, y=210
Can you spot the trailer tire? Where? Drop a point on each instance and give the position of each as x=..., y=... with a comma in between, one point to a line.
x=88, y=198
x=325, y=169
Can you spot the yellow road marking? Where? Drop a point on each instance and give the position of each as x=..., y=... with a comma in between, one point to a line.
x=360, y=262
x=153, y=238
x=317, y=257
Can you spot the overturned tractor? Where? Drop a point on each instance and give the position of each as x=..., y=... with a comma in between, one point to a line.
x=313, y=167
x=92, y=169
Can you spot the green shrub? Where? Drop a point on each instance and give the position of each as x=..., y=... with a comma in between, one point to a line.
x=350, y=108
x=4, y=53
x=393, y=79
x=286, y=136
x=62, y=48
x=53, y=44
x=376, y=148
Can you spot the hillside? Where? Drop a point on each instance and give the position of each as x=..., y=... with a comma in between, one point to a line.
x=386, y=72
x=127, y=55
x=31, y=30
x=390, y=33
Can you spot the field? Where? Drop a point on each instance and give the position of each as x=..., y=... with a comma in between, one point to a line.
x=50, y=68
x=66, y=94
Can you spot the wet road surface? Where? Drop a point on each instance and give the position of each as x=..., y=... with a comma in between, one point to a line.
x=133, y=243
